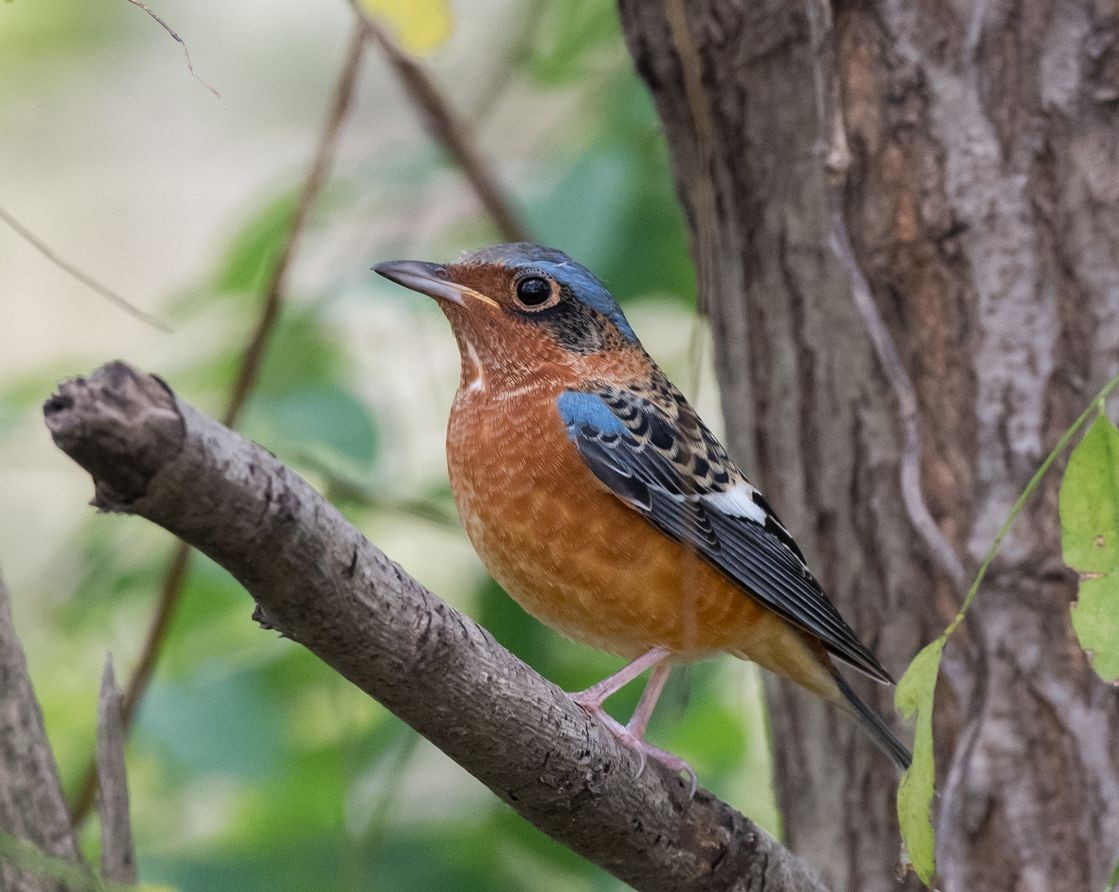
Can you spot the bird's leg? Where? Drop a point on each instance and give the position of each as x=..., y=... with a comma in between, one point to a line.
x=639, y=721
x=593, y=697
x=632, y=735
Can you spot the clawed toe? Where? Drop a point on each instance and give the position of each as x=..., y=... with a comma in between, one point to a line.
x=645, y=751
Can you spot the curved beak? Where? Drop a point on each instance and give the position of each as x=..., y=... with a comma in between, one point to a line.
x=427, y=278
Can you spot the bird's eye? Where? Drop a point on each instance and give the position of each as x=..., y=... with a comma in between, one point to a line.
x=532, y=291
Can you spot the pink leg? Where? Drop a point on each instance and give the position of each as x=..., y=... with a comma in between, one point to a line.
x=596, y=695
x=632, y=735
x=639, y=721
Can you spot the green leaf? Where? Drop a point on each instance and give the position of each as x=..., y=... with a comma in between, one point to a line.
x=915, y=696
x=917, y=687
x=1089, y=507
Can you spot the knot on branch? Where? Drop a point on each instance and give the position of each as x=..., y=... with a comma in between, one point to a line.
x=119, y=424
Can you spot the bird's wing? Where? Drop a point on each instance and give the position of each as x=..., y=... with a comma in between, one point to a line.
x=650, y=449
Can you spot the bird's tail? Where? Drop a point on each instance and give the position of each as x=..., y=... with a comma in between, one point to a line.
x=882, y=735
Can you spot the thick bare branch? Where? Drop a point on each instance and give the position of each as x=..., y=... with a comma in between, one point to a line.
x=321, y=583
x=32, y=808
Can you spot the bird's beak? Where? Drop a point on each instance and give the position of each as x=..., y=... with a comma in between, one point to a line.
x=427, y=278
x=431, y=279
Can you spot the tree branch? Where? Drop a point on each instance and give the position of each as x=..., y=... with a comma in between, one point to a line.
x=322, y=584
x=32, y=807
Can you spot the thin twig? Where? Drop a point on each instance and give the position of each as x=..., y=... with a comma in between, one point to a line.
x=449, y=132
x=174, y=36
x=247, y=373
x=123, y=303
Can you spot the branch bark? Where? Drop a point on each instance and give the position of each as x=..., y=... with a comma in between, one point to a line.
x=321, y=583
x=32, y=807
x=118, y=859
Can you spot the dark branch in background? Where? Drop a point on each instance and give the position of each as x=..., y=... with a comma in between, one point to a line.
x=43, y=248
x=118, y=859
x=32, y=808
x=450, y=133
x=174, y=36
x=176, y=573
x=319, y=582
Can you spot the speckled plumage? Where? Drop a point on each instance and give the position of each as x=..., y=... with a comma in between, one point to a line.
x=600, y=501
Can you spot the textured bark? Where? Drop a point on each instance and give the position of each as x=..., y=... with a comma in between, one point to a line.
x=969, y=153
x=318, y=581
x=118, y=858
x=31, y=805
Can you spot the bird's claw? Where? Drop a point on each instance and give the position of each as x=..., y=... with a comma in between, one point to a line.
x=637, y=744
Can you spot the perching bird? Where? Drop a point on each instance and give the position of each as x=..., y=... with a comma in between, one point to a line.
x=599, y=500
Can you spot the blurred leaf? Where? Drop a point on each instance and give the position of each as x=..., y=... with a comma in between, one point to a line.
x=420, y=26
x=573, y=31
x=223, y=725
x=914, y=696
x=255, y=248
x=315, y=419
x=34, y=861
x=1089, y=508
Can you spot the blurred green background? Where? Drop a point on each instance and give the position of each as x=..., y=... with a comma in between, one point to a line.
x=252, y=766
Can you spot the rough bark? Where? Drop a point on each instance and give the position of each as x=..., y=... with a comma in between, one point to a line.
x=32, y=808
x=968, y=153
x=319, y=582
x=118, y=858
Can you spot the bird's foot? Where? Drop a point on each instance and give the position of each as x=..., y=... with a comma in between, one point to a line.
x=632, y=740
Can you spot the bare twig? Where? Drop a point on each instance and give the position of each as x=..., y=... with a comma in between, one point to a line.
x=175, y=575
x=43, y=248
x=174, y=36
x=449, y=132
x=32, y=808
x=118, y=860
x=322, y=584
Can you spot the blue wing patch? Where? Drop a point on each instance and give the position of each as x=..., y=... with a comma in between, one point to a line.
x=580, y=409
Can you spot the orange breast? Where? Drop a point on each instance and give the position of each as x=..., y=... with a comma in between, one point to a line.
x=575, y=556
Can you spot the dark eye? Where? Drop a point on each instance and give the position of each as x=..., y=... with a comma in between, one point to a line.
x=533, y=291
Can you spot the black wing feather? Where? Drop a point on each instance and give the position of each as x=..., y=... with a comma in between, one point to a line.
x=660, y=484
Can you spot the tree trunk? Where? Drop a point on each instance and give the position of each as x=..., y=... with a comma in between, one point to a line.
x=905, y=220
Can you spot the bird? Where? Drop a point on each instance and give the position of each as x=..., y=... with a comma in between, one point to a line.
x=599, y=500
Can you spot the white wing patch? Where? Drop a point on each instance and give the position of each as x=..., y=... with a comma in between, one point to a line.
x=738, y=501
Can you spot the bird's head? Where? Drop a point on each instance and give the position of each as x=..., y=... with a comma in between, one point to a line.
x=515, y=308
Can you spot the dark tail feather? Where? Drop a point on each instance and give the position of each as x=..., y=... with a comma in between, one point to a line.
x=882, y=735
